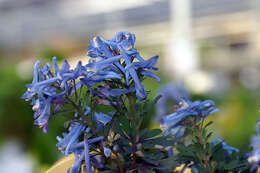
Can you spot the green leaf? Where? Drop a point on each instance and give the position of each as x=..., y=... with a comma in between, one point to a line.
x=208, y=136
x=152, y=133
x=208, y=124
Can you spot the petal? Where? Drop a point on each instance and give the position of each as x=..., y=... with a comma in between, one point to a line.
x=103, y=63
x=35, y=71
x=149, y=73
x=150, y=63
x=114, y=92
x=43, y=119
x=87, y=159
x=77, y=164
x=107, y=152
x=103, y=118
x=56, y=67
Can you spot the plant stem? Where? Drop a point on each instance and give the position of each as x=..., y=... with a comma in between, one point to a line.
x=203, y=142
x=81, y=113
x=132, y=107
x=75, y=90
x=121, y=168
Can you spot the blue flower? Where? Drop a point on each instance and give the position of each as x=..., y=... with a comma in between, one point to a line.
x=42, y=114
x=29, y=93
x=103, y=118
x=100, y=117
x=107, y=152
x=118, y=55
x=173, y=124
x=177, y=131
x=79, y=145
x=93, y=78
x=171, y=91
x=75, y=168
x=254, y=158
x=229, y=149
x=106, y=91
x=71, y=138
x=87, y=159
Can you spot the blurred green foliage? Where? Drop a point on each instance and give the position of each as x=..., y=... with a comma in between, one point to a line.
x=48, y=54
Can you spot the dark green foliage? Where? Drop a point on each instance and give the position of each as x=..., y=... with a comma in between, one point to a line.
x=141, y=149
x=206, y=156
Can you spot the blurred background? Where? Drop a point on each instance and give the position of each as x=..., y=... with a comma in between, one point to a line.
x=212, y=47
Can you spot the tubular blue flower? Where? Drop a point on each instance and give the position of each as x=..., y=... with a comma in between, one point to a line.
x=187, y=109
x=104, y=63
x=77, y=164
x=177, y=131
x=58, y=103
x=149, y=73
x=225, y=146
x=140, y=91
x=87, y=159
x=107, y=152
x=149, y=64
x=80, y=145
x=43, y=115
x=71, y=138
x=254, y=159
x=100, y=117
x=106, y=91
x=103, y=118
x=125, y=39
x=93, y=78
x=29, y=93
x=171, y=91
x=105, y=102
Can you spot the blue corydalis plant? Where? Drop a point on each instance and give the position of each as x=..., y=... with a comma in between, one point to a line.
x=106, y=104
x=107, y=137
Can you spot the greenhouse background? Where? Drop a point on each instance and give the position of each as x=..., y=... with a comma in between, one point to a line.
x=212, y=47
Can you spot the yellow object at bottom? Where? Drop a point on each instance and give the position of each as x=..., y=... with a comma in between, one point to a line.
x=62, y=165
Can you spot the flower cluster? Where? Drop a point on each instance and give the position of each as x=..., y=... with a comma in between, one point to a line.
x=53, y=88
x=115, y=70
x=118, y=55
x=175, y=123
x=175, y=92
